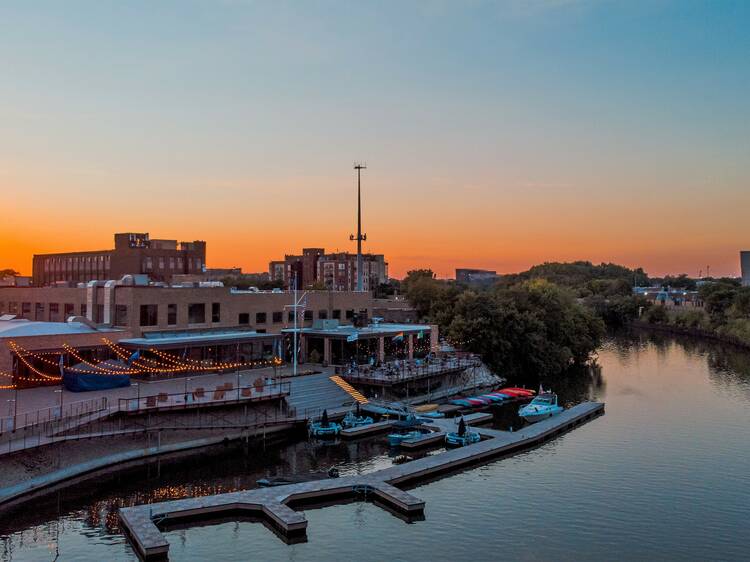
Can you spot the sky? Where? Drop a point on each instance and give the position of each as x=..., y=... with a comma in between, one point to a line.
x=496, y=134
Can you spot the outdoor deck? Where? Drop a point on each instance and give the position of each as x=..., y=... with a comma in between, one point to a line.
x=141, y=522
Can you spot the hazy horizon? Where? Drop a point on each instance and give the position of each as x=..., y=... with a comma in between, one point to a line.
x=498, y=135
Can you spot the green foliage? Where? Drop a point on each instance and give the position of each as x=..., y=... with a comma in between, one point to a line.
x=578, y=274
x=246, y=281
x=617, y=310
x=657, y=315
x=8, y=273
x=692, y=318
x=533, y=328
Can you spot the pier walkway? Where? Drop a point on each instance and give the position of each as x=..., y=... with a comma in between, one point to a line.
x=141, y=523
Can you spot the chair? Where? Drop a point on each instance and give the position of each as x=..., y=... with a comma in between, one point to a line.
x=247, y=392
x=151, y=402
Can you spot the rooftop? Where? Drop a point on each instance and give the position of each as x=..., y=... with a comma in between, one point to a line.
x=20, y=328
x=371, y=330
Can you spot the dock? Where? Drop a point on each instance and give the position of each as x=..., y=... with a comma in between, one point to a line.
x=369, y=429
x=142, y=523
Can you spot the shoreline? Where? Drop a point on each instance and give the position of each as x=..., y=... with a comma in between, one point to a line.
x=693, y=332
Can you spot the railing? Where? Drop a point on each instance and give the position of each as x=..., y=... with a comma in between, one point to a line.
x=223, y=394
x=55, y=414
x=398, y=371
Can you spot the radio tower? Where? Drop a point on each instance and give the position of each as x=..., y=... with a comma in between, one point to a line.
x=360, y=237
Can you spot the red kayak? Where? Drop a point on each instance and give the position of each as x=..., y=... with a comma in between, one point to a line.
x=517, y=392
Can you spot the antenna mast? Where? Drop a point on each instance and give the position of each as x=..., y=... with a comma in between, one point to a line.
x=360, y=237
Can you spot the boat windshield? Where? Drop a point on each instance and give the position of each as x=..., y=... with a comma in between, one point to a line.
x=544, y=399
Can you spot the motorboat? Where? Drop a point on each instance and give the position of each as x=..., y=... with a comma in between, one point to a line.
x=543, y=406
x=273, y=481
x=395, y=439
x=453, y=438
x=353, y=420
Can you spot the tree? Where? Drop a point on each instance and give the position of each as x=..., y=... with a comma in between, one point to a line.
x=8, y=273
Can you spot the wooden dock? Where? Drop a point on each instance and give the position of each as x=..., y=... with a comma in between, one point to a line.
x=141, y=523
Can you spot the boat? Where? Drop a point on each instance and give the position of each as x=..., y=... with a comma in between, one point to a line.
x=453, y=439
x=461, y=402
x=540, y=408
x=431, y=415
x=353, y=420
x=317, y=429
x=395, y=439
x=518, y=392
x=324, y=428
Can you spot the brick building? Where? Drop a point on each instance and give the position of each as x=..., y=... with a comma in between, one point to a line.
x=133, y=254
x=150, y=308
x=335, y=271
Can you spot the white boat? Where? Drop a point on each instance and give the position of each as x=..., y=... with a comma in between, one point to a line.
x=543, y=406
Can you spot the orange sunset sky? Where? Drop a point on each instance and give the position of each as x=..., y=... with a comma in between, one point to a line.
x=497, y=135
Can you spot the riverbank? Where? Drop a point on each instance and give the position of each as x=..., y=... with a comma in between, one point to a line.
x=693, y=332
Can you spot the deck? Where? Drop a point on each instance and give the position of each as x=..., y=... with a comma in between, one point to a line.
x=141, y=523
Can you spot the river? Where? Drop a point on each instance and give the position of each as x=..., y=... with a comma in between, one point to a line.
x=664, y=474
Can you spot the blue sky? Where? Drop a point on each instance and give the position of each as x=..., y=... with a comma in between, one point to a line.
x=547, y=129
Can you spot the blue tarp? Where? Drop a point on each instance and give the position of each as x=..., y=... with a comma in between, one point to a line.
x=84, y=382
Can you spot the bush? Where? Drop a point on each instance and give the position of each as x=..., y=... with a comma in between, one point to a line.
x=657, y=315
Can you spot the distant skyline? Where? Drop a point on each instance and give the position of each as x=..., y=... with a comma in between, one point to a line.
x=498, y=135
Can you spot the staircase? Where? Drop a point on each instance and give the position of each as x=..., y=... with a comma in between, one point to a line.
x=353, y=392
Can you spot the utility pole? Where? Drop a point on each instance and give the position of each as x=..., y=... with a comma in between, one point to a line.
x=360, y=237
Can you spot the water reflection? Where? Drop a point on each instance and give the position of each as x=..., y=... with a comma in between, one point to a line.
x=662, y=475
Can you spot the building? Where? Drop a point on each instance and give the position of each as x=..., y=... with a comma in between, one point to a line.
x=15, y=281
x=745, y=267
x=142, y=309
x=198, y=324
x=669, y=296
x=133, y=254
x=335, y=271
x=475, y=275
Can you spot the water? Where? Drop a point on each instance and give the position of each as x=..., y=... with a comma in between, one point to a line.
x=665, y=474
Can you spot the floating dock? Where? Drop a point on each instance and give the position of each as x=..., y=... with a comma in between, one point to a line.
x=141, y=523
x=369, y=429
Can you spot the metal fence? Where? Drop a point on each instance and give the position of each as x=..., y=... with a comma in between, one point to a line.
x=223, y=394
x=61, y=413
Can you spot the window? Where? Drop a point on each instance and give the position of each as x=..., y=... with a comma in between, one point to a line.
x=171, y=263
x=161, y=263
x=54, y=312
x=12, y=307
x=121, y=315
x=261, y=330
x=148, y=265
x=83, y=310
x=308, y=314
x=39, y=311
x=172, y=314
x=149, y=315
x=244, y=319
x=197, y=313
x=290, y=316
x=278, y=317
x=260, y=317
x=336, y=315
x=322, y=314
x=349, y=314
x=69, y=309
x=216, y=312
